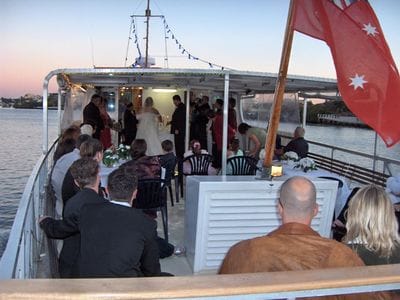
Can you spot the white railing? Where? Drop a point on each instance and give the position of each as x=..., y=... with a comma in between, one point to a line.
x=21, y=256
x=272, y=285
x=376, y=163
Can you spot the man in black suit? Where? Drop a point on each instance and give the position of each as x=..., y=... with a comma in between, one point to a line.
x=178, y=126
x=85, y=172
x=91, y=115
x=116, y=239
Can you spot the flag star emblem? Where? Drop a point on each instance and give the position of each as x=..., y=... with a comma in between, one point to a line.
x=369, y=29
x=357, y=81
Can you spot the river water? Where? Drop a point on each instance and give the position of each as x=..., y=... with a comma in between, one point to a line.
x=21, y=137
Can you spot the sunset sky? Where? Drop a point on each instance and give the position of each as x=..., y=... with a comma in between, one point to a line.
x=38, y=36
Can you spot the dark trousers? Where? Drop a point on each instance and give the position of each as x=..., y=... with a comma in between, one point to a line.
x=179, y=141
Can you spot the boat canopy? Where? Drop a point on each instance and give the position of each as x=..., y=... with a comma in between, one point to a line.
x=241, y=82
x=225, y=82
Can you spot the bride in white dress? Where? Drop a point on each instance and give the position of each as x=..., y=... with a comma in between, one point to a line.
x=149, y=117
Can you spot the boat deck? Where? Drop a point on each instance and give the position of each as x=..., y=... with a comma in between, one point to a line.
x=177, y=265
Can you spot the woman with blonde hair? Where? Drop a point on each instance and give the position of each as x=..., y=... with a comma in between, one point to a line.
x=372, y=228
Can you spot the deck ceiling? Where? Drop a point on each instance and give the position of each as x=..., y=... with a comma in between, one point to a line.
x=239, y=81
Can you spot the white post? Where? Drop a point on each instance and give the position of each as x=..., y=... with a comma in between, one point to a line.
x=225, y=123
x=59, y=111
x=305, y=113
x=187, y=119
x=45, y=139
x=375, y=152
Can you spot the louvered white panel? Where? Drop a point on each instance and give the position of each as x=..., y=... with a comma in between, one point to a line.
x=223, y=210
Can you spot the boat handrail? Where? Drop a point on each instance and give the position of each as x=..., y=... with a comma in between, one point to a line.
x=385, y=161
x=270, y=285
x=16, y=260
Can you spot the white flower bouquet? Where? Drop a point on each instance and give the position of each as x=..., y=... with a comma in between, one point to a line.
x=306, y=164
x=110, y=158
x=123, y=152
x=290, y=155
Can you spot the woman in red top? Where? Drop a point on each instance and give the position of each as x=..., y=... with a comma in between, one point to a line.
x=105, y=134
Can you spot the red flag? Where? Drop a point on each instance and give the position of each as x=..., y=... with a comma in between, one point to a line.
x=367, y=76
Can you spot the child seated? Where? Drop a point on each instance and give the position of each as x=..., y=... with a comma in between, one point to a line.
x=195, y=148
x=234, y=149
x=168, y=160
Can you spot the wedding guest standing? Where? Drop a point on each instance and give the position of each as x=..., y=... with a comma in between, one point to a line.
x=130, y=124
x=178, y=126
x=105, y=134
x=91, y=115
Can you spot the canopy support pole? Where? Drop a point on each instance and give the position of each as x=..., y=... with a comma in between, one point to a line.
x=279, y=91
x=225, y=123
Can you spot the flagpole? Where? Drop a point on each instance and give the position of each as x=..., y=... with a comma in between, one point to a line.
x=279, y=91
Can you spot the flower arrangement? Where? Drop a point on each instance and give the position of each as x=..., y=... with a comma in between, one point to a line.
x=112, y=156
x=290, y=155
x=306, y=164
x=123, y=152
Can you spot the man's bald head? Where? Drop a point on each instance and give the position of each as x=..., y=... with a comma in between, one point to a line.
x=298, y=200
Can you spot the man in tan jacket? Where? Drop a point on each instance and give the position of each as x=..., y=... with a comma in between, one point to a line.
x=294, y=245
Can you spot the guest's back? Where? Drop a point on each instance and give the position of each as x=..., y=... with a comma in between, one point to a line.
x=126, y=237
x=168, y=161
x=372, y=228
x=294, y=245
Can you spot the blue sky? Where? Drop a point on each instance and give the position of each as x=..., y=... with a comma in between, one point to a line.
x=40, y=36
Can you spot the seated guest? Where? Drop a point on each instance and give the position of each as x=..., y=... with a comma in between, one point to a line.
x=195, y=149
x=60, y=169
x=86, y=129
x=85, y=171
x=67, y=142
x=393, y=188
x=298, y=144
x=372, y=228
x=147, y=167
x=234, y=149
x=294, y=245
x=168, y=160
x=91, y=148
x=116, y=239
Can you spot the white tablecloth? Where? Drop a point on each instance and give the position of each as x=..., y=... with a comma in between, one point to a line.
x=105, y=171
x=343, y=192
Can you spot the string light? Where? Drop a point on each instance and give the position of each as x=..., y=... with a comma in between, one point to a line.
x=189, y=55
x=180, y=46
x=136, y=42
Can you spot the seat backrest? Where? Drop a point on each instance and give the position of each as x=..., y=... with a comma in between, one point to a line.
x=242, y=165
x=199, y=163
x=169, y=163
x=151, y=194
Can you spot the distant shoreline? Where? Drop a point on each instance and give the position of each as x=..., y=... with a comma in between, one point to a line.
x=12, y=107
